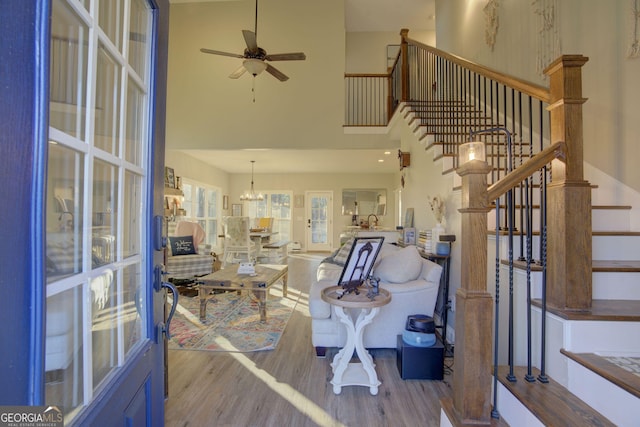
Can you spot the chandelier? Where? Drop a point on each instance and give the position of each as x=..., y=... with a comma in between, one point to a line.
x=251, y=195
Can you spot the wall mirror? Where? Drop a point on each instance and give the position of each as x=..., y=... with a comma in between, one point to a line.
x=364, y=201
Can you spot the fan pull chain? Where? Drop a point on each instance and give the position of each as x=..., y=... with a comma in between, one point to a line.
x=253, y=89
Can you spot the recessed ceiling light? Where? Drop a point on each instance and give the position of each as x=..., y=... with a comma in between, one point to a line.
x=387, y=153
x=380, y=160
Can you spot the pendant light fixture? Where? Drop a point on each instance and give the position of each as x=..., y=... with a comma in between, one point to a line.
x=251, y=195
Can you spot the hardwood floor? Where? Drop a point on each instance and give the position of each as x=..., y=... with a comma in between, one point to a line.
x=289, y=386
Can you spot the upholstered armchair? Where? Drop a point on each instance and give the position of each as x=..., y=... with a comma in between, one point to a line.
x=187, y=256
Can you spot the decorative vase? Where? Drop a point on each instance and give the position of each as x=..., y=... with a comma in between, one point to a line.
x=443, y=248
x=436, y=232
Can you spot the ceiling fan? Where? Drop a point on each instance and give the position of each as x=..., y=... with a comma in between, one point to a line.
x=255, y=57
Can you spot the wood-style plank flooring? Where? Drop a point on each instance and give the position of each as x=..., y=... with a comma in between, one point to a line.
x=289, y=386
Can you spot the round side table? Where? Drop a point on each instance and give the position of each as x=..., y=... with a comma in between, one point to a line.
x=345, y=372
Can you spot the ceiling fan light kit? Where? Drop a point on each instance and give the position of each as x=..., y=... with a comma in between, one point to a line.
x=255, y=57
x=254, y=66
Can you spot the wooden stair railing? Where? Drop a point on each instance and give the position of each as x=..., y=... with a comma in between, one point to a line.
x=514, y=178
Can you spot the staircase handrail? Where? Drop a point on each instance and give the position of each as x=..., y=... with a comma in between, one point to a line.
x=536, y=91
x=528, y=168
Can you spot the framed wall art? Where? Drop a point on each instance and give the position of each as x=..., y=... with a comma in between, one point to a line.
x=169, y=177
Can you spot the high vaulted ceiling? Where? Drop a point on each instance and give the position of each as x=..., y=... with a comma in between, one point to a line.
x=377, y=15
x=293, y=126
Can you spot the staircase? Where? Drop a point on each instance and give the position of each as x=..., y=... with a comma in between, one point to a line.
x=585, y=386
x=575, y=358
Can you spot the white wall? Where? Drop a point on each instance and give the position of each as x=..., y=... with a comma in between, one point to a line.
x=187, y=166
x=366, y=52
x=425, y=179
x=600, y=30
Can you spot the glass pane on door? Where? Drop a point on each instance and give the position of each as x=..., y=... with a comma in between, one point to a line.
x=131, y=215
x=63, y=343
x=68, y=71
x=104, y=233
x=319, y=216
x=104, y=326
x=134, y=307
x=107, y=102
x=110, y=20
x=65, y=191
x=134, y=124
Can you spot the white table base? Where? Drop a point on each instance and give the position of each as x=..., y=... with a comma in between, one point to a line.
x=361, y=373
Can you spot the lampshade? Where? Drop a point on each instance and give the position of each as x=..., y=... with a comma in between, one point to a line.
x=251, y=195
x=473, y=150
x=254, y=66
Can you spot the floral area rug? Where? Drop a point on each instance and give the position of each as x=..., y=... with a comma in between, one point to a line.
x=631, y=364
x=232, y=322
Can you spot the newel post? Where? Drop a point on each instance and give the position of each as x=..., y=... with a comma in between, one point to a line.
x=474, y=305
x=404, y=70
x=569, y=253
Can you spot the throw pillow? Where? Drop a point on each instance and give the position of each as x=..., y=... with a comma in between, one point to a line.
x=182, y=245
x=400, y=266
x=341, y=256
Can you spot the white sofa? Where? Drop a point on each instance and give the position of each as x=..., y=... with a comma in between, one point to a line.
x=412, y=281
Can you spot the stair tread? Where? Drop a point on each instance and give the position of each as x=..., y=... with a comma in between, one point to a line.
x=600, y=365
x=551, y=403
x=612, y=207
x=615, y=233
x=603, y=310
x=629, y=266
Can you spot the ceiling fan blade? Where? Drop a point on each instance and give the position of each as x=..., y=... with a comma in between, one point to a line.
x=277, y=73
x=217, y=52
x=293, y=56
x=250, y=39
x=237, y=73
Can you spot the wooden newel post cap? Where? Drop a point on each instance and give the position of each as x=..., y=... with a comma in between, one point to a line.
x=473, y=167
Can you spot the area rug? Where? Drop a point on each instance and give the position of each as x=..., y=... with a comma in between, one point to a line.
x=232, y=322
x=631, y=364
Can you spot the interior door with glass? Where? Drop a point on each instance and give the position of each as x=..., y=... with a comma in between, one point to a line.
x=104, y=315
x=319, y=220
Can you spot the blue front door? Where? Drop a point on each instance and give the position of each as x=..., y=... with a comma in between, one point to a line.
x=82, y=105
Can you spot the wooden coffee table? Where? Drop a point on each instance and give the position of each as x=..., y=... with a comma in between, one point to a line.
x=228, y=279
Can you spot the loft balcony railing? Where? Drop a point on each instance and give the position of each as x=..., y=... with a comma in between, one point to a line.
x=533, y=140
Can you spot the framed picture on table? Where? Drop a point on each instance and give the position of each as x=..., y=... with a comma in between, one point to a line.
x=360, y=261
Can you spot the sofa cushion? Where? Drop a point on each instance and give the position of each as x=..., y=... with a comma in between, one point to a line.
x=342, y=254
x=431, y=271
x=401, y=266
x=182, y=245
x=328, y=272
